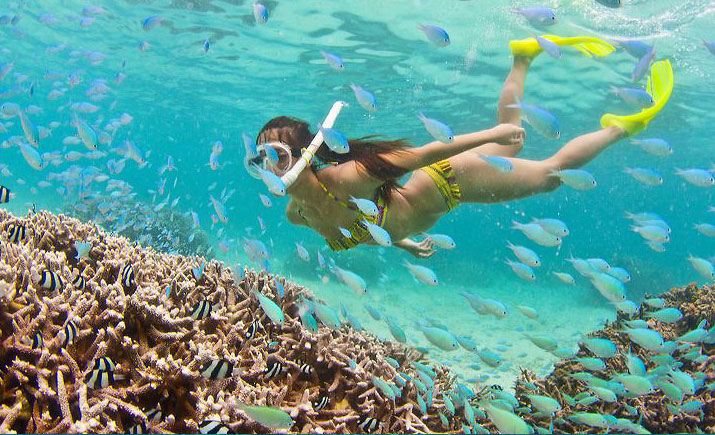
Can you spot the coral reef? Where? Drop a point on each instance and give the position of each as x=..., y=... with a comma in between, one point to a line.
x=695, y=305
x=146, y=328
x=143, y=342
x=164, y=229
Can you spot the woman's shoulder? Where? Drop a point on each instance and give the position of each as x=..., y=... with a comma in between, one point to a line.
x=349, y=178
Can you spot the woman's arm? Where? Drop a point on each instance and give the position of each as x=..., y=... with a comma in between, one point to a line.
x=292, y=214
x=414, y=158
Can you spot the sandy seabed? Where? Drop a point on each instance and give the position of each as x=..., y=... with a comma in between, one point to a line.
x=146, y=327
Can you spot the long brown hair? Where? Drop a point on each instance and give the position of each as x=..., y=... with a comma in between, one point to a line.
x=365, y=150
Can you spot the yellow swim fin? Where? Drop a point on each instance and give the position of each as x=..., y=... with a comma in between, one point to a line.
x=587, y=45
x=660, y=86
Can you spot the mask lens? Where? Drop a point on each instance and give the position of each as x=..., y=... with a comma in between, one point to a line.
x=276, y=157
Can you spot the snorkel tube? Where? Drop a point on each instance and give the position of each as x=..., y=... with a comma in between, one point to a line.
x=289, y=177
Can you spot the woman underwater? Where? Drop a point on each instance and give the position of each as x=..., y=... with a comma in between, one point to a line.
x=443, y=175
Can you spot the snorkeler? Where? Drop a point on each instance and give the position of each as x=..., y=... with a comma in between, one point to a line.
x=442, y=175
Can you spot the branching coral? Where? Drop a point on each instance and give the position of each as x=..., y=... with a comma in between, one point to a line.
x=160, y=347
x=147, y=330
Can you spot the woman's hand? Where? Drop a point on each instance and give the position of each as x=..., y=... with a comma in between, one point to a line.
x=508, y=134
x=422, y=249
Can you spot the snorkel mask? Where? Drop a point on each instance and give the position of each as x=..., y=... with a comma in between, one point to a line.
x=271, y=156
x=277, y=157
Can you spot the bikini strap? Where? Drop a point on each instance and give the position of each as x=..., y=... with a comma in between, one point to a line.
x=336, y=199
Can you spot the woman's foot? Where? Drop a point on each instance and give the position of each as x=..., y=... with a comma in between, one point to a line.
x=523, y=60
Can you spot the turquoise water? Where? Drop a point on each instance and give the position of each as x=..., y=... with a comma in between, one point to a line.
x=183, y=99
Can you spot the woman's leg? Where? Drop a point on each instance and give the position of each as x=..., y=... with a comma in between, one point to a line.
x=481, y=183
x=513, y=88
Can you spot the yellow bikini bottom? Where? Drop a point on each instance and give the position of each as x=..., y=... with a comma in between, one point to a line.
x=446, y=181
x=444, y=178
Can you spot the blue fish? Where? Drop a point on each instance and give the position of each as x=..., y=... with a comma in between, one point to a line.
x=538, y=16
x=373, y=312
x=710, y=45
x=637, y=97
x=611, y=3
x=151, y=22
x=539, y=118
x=549, y=47
x=636, y=49
x=336, y=62
x=260, y=13
x=280, y=290
x=366, y=99
x=642, y=65
x=437, y=35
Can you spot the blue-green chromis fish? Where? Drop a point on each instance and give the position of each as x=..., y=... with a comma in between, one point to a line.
x=272, y=310
x=272, y=418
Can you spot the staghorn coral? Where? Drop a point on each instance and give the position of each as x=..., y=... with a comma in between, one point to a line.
x=695, y=304
x=166, y=229
x=147, y=330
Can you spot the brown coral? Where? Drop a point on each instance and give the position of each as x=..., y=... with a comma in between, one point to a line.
x=146, y=328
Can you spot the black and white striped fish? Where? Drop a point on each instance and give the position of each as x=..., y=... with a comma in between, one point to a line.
x=16, y=233
x=4, y=195
x=138, y=429
x=321, y=403
x=213, y=427
x=70, y=333
x=274, y=369
x=37, y=340
x=50, y=280
x=217, y=369
x=252, y=329
x=79, y=283
x=127, y=276
x=99, y=378
x=104, y=363
x=368, y=424
x=306, y=369
x=155, y=414
x=201, y=310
